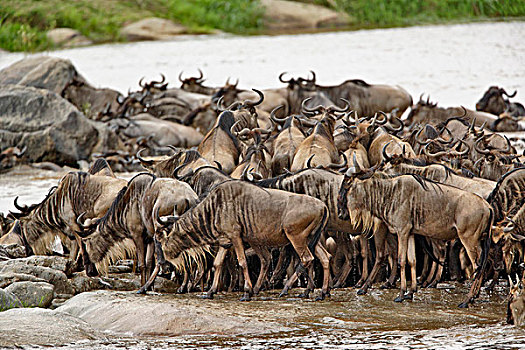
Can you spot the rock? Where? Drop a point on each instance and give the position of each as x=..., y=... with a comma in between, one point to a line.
x=50, y=127
x=163, y=315
x=60, y=76
x=12, y=251
x=54, y=262
x=6, y=278
x=289, y=15
x=67, y=37
x=55, y=277
x=33, y=294
x=119, y=269
x=43, y=72
x=8, y=301
x=36, y=326
x=152, y=28
x=164, y=285
x=122, y=282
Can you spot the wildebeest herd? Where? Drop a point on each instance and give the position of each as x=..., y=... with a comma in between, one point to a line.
x=285, y=176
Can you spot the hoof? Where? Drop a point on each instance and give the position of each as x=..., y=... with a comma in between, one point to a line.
x=283, y=293
x=399, y=299
x=141, y=291
x=463, y=305
x=304, y=295
x=180, y=291
x=361, y=291
x=320, y=297
x=207, y=296
x=245, y=298
x=408, y=296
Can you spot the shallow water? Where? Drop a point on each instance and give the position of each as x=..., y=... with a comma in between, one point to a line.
x=455, y=64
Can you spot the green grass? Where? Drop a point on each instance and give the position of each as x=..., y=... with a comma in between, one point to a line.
x=381, y=13
x=23, y=23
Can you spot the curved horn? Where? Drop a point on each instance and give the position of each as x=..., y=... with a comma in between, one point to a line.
x=310, y=110
x=508, y=147
x=478, y=149
x=200, y=77
x=340, y=165
x=382, y=121
x=233, y=127
x=23, y=209
x=140, y=83
x=234, y=105
x=418, y=140
x=340, y=110
x=220, y=108
x=510, y=227
x=248, y=103
x=400, y=123
x=461, y=153
x=142, y=160
x=180, y=76
x=385, y=155
x=313, y=77
x=282, y=80
x=174, y=149
x=437, y=154
x=274, y=118
x=505, y=92
x=309, y=161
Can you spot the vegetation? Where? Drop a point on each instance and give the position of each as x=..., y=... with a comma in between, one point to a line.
x=23, y=23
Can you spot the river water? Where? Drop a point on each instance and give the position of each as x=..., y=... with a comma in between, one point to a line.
x=454, y=64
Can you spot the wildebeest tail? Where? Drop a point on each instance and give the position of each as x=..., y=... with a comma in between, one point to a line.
x=485, y=245
x=319, y=231
x=427, y=248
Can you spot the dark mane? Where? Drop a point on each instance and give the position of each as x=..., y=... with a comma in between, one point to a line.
x=494, y=192
x=99, y=164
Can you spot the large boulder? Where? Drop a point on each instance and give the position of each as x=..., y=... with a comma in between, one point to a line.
x=55, y=262
x=8, y=278
x=36, y=326
x=50, y=127
x=32, y=294
x=290, y=15
x=152, y=28
x=60, y=76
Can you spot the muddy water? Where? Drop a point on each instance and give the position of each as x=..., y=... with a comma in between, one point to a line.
x=455, y=64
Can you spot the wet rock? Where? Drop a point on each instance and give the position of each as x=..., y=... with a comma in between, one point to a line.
x=55, y=277
x=288, y=15
x=152, y=28
x=67, y=37
x=50, y=127
x=167, y=315
x=7, y=278
x=32, y=294
x=8, y=301
x=38, y=326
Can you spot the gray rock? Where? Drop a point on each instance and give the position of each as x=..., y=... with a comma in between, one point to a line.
x=163, y=285
x=81, y=283
x=42, y=72
x=54, y=262
x=7, y=278
x=55, y=277
x=60, y=76
x=67, y=37
x=119, y=269
x=50, y=127
x=36, y=326
x=152, y=28
x=33, y=294
x=8, y=301
x=12, y=251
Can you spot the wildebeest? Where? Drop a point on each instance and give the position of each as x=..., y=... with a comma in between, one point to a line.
x=235, y=213
x=408, y=205
x=493, y=102
x=128, y=226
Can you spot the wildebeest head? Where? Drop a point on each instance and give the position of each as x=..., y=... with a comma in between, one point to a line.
x=493, y=101
x=228, y=92
x=192, y=84
x=516, y=303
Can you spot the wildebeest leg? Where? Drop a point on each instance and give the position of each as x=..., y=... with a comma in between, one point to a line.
x=141, y=257
x=402, y=238
x=217, y=264
x=184, y=284
x=427, y=271
x=441, y=253
x=148, y=284
x=411, y=254
x=241, y=259
x=364, y=254
x=264, y=256
x=346, y=246
x=285, y=257
x=391, y=242
x=149, y=259
x=380, y=242
x=324, y=257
